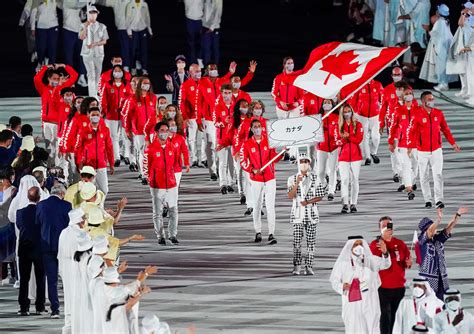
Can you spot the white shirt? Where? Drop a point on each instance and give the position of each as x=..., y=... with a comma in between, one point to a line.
x=44, y=16
x=96, y=32
x=119, y=7
x=212, y=14
x=194, y=9
x=138, y=17
x=71, y=19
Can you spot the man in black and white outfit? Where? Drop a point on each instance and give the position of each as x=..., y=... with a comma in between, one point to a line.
x=305, y=189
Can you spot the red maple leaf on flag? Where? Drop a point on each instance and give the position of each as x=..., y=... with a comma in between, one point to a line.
x=339, y=65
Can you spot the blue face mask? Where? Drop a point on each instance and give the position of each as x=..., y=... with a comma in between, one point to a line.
x=54, y=83
x=257, y=131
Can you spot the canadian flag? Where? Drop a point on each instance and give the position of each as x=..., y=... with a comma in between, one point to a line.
x=340, y=66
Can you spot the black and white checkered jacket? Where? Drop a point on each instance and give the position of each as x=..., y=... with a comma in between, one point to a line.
x=309, y=213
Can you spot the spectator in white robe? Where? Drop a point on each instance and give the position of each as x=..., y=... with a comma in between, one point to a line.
x=67, y=247
x=379, y=19
x=436, y=57
x=453, y=319
x=420, y=307
x=418, y=14
x=469, y=50
x=96, y=286
x=355, y=276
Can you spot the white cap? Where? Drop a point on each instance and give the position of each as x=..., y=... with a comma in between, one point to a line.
x=88, y=190
x=92, y=9
x=101, y=245
x=76, y=216
x=94, y=267
x=111, y=275
x=28, y=143
x=95, y=216
x=84, y=241
x=468, y=5
x=42, y=169
x=88, y=170
x=150, y=322
x=304, y=156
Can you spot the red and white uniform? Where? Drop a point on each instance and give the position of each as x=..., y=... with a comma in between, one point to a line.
x=187, y=104
x=78, y=124
x=181, y=153
x=224, y=125
x=311, y=104
x=107, y=76
x=288, y=93
x=150, y=126
x=63, y=111
x=327, y=153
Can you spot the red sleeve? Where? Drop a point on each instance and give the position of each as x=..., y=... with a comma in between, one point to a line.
x=273, y=153
x=445, y=129
x=245, y=160
x=147, y=161
x=149, y=125
x=275, y=93
x=72, y=77
x=129, y=115
x=38, y=80
x=374, y=249
x=359, y=135
x=225, y=79
x=109, y=147
x=383, y=109
x=102, y=82
x=406, y=251
x=248, y=77
x=78, y=149
x=412, y=130
x=103, y=99
x=181, y=101
x=393, y=127
x=227, y=140
x=199, y=106
x=184, y=151
x=247, y=97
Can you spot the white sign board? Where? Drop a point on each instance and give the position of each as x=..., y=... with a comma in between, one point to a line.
x=295, y=131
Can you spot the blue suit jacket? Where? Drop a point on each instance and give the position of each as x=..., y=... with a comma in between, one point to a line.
x=52, y=217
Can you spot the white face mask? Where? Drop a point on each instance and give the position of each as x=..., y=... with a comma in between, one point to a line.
x=92, y=17
x=68, y=99
x=173, y=129
x=358, y=251
x=399, y=93
x=289, y=67
x=163, y=135
x=213, y=73
x=347, y=115
x=305, y=167
x=54, y=83
x=227, y=97
x=171, y=114
x=145, y=87
x=236, y=85
x=408, y=98
x=197, y=75
x=258, y=112
x=453, y=305
x=430, y=104
x=78, y=106
x=181, y=65
x=417, y=292
x=396, y=78
x=118, y=75
x=327, y=106
x=95, y=119
x=257, y=131
x=243, y=111
x=162, y=106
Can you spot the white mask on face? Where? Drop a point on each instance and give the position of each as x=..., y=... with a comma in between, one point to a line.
x=453, y=305
x=54, y=83
x=145, y=87
x=430, y=104
x=173, y=129
x=358, y=250
x=408, y=98
x=347, y=115
x=257, y=131
x=213, y=73
x=305, y=167
x=289, y=67
x=236, y=85
x=118, y=75
x=396, y=78
x=243, y=111
x=68, y=99
x=418, y=292
x=399, y=93
x=92, y=17
x=171, y=114
x=162, y=106
x=227, y=98
x=95, y=119
x=327, y=106
x=197, y=75
x=181, y=65
x=258, y=112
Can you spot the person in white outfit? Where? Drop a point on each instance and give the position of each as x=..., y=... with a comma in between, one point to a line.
x=468, y=28
x=94, y=36
x=45, y=27
x=138, y=23
x=453, y=319
x=119, y=7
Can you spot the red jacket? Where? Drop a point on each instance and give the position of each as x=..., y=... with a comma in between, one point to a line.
x=107, y=76
x=393, y=277
x=51, y=95
x=224, y=124
x=286, y=92
x=113, y=98
x=181, y=152
x=138, y=112
x=207, y=93
x=241, y=95
x=78, y=123
x=241, y=135
x=150, y=126
x=63, y=112
x=367, y=101
x=158, y=165
x=427, y=128
x=399, y=126
x=349, y=148
x=330, y=125
x=94, y=148
x=255, y=155
x=188, y=98
x=311, y=104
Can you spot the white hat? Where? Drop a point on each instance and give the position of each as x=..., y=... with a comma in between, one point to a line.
x=94, y=267
x=28, y=143
x=88, y=190
x=101, y=245
x=150, y=322
x=304, y=156
x=42, y=169
x=468, y=5
x=88, y=170
x=111, y=275
x=92, y=9
x=164, y=328
x=443, y=10
x=76, y=216
x=84, y=241
x=95, y=216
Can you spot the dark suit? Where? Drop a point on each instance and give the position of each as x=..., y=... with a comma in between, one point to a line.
x=29, y=254
x=52, y=217
x=177, y=85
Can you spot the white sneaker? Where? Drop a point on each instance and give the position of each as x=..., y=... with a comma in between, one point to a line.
x=309, y=271
x=460, y=94
x=82, y=81
x=200, y=63
x=138, y=65
x=34, y=57
x=470, y=101
x=17, y=284
x=441, y=87
x=145, y=72
x=296, y=270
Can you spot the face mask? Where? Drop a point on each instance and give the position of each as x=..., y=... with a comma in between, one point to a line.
x=163, y=135
x=171, y=114
x=408, y=98
x=68, y=99
x=430, y=104
x=243, y=111
x=92, y=16
x=197, y=75
x=227, y=97
x=327, y=106
x=289, y=67
x=181, y=66
x=133, y=85
x=453, y=305
x=162, y=106
x=78, y=106
x=257, y=131
x=418, y=292
x=305, y=167
x=213, y=73
x=95, y=119
x=120, y=64
x=396, y=78
x=173, y=129
x=258, y=112
x=118, y=75
x=347, y=115
x=358, y=251
x=145, y=87
x=54, y=83
x=236, y=85
x=399, y=93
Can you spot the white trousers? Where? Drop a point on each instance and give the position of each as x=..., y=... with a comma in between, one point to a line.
x=160, y=198
x=226, y=167
x=139, y=144
x=435, y=159
x=349, y=175
x=283, y=114
x=94, y=69
x=102, y=180
x=395, y=160
x=464, y=83
x=210, y=148
x=327, y=164
x=192, y=138
x=115, y=128
x=50, y=135
x=409, y=166
x=129, y=149
x=259, y=190
x=470, y=75
x=178, y=182
x=370, y=143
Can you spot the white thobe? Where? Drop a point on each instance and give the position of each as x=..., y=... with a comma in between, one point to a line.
x=82, y=317
x=97, y=294
x=443, y=323
x=379, y=20
x=406, y=316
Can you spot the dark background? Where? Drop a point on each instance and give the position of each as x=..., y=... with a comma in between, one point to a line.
x=264, y=30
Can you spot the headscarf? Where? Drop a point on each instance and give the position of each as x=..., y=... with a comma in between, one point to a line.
x=21, y=200
x=424, y=224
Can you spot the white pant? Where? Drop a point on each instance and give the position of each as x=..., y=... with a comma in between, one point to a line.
x=129, y=149
x=115, y=128
x=470, y=75
x=327, y=164
x=160, y=198
x=226, y=167
x=178, y=182
x=102, y=180
x=409, y=166
x=192, y=138
x=50, y=135
x=435, y=159
x=249, y=201
x=139, y=144
x=94, y=69
x=349, y=174
x=464, y=83
x=395, y=160
x=283, y=114
x=210, y=149
x=371, y=142
x=267, y=189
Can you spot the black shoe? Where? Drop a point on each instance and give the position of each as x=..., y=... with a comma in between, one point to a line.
x=411, y=195
x=428, y=205
x=23, y=313
x=213, y=177
x=162, y=241
x=368, y=162
x=230, y=189
x=330, y=197
x=55, y=315
x=396, y=178
x=194, y=164
x=327, y=178
x=401, y=188
x=286, y=157
x=139, y=177
x=248, y=212
x=126, y=161
x=262, y=213
x=338, y=185
x=375, y=158
x=243, y=199
x=117, y=163
x=353, y=208
x=271, y=239
x=165, y=212
x=345, y=209
x=132, y=168
x=414, y=187
x=174, y=241
x=258, y=237
x=439, y=205
x=204, y=163
x=224, y=190
x=121, y=157
x=144, y=181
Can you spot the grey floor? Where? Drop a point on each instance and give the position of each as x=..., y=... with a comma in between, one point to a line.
x=221, y=281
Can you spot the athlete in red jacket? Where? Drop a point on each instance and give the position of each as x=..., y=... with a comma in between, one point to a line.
x=181, y=150
x=107, y=75
x=348, y=135
x=427, y=127
x=311, y=104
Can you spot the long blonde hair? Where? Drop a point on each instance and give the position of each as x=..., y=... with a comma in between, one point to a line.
x=342, y=120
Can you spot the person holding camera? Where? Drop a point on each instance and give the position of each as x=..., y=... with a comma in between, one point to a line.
x=392, y=289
